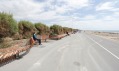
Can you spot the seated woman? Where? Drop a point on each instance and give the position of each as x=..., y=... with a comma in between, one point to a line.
x=35, y=38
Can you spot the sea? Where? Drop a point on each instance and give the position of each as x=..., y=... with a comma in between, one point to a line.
x=108, y=31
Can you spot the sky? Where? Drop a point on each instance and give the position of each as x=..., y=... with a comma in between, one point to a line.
x=80, y=14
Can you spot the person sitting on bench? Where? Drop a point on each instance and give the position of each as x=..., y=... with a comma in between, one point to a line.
x=35, y=38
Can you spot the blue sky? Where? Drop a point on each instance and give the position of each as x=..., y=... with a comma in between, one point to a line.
x=81, y=14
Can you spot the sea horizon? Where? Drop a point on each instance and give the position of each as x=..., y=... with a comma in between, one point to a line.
x=108, y=31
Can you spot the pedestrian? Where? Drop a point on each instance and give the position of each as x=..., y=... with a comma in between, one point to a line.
x=36, y=39
x=67, y=33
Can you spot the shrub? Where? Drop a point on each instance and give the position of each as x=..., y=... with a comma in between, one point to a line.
x=70, y=29
x=8, y=26
x=56, y=29
x=65, y=29
x=42, y=28
x=26, y=29
x=6, y=42
x=75, y=30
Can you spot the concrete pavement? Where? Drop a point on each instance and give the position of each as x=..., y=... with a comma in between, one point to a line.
x=77, y=52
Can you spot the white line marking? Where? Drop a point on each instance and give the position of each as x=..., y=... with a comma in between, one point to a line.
x=84, y=69
x=61, y=48
x=104, y=48
x=37, y=64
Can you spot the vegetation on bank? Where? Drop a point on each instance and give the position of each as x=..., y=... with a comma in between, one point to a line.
x=42, y=28
x=57, y=29
x=24, y=29
x=8, y=25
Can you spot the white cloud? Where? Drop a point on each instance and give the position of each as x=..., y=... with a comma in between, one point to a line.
x=62, y=10
x=44, y=16
x=105, y=6
x=116, y=13
x=74, y=4
x=90, y=24
x=108, y=18
x=30, y=9
x=89, y=17
x=56, y=13
x=22, y=9
x=77, y=3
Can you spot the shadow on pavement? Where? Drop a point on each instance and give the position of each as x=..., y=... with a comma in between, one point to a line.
x=13, y=59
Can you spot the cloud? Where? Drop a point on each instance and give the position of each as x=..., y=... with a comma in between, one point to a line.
x=22, y=9
x=105, y=6
x=108, y=18
x=76, y=3
x=71, y=13
x=89, y=17
x=29, y=9
x=90, y=24
x=69, y=5
x=116, y=13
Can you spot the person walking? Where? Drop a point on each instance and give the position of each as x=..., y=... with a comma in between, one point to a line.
x=67, y=33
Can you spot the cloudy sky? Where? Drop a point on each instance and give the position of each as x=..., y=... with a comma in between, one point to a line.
x=82, y=14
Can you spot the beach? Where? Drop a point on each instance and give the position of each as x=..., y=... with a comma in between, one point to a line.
x=107, y=35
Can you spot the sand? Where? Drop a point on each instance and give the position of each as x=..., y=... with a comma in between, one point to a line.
x=108, y=35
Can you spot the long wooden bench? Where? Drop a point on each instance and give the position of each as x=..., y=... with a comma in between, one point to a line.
x=57, y=36
x=7, y=54
x=43, y=37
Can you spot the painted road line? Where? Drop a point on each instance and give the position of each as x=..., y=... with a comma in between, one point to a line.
x=61, y=48
x=104, y=48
